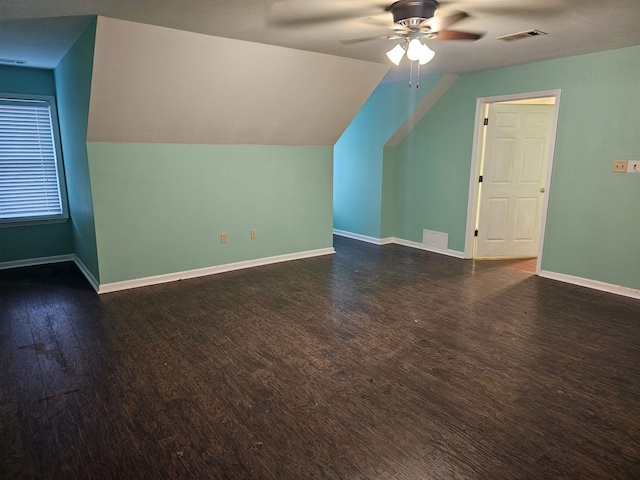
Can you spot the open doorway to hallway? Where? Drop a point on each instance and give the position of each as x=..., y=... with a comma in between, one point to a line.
x=510, y=178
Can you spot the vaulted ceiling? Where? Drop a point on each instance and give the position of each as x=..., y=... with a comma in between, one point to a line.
x=40, y=31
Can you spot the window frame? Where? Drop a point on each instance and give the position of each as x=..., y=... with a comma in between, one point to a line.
x=57, y=146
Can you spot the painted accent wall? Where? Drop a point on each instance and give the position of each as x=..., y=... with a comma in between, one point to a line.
x=73, y=86
x=160, y=208
x=39, y=240
x=593, y=224
x=361, y=186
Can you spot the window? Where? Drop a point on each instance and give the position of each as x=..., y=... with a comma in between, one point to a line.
x=31, y=177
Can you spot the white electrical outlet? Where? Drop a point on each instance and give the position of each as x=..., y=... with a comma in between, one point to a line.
x=633, y=166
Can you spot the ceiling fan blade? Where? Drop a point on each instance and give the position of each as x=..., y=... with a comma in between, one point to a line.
x=383, y=21
x=515, y=11
x=539, y=8
x=366, y=39
x=455, y=35
x=295, y=13
x=441, y=22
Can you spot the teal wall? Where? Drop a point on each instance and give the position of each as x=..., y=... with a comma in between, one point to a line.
x=593, y=224
x=361, y=196
x=34, y=81
x=433, y=166
x=73, y=81
x=33, y=241
x=387, y=227
x=160, y=208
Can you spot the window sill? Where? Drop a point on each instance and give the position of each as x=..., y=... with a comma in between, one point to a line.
x=32, y=222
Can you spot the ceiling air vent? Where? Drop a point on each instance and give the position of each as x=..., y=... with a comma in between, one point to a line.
x=9, y=61
x=520, y=35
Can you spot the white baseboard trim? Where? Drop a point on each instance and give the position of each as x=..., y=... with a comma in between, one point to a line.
x=420, y=246
x=594, y=284
x=201, y=272
x=399, y=241
x=172, y=277
x=30, y=262
x=88, y=275
x=561, y=277
x=363, y=238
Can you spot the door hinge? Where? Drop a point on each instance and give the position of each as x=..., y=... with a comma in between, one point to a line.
x=480, y=179
x=486, y=121
x=475, y=234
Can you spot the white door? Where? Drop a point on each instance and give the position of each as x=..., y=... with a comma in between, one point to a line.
x=514, y=175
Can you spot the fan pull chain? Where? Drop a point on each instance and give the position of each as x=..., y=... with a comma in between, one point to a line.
x=410, y=73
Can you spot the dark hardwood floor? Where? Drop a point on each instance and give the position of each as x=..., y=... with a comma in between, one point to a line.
x=374, y=363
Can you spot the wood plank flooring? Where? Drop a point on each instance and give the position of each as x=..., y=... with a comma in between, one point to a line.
x=527, y=265
x=374, y=363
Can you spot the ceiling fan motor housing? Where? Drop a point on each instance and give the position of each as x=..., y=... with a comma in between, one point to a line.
x=413, y=12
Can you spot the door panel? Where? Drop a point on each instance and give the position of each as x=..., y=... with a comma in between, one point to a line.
x=502, y=161
x=506, y=119
x=497, y=225
x=515, y=164
x=526, y=217
x=534, y=160
x=534, y=120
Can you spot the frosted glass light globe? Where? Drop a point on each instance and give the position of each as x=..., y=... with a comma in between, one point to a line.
x=414, y=50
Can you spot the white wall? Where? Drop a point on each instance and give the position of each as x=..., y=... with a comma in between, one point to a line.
x=158, y=85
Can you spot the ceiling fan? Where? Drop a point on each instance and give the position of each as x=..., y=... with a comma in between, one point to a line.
x=416, y=19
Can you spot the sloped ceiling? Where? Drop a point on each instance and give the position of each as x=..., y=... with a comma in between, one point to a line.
x=39, y=42
x=159, y=85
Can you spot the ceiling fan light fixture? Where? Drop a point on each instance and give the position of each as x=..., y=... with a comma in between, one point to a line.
x=414, y=50
x=396, y=54
x=426, y=55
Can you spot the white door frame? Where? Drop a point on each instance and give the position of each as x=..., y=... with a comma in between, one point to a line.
x=472, y=207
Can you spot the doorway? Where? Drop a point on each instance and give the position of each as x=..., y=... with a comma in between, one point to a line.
x=514, y=142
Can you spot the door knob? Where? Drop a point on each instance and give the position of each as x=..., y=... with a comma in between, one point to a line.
x=542, y=190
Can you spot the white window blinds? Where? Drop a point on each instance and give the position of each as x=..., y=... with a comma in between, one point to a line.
x=29, y=177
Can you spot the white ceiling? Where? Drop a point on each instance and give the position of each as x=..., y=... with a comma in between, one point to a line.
x=41, y=31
